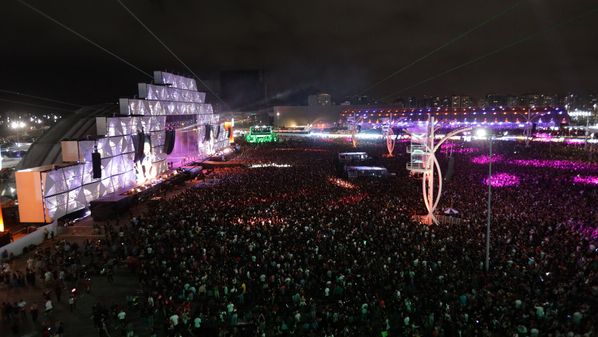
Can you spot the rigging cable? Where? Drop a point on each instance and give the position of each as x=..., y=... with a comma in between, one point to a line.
x=169, y=50
x=526, y=38
x=40, y=12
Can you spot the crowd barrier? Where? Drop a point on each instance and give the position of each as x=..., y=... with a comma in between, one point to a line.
x=34, y=238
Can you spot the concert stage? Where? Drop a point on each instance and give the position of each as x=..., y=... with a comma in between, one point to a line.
x=167, y=125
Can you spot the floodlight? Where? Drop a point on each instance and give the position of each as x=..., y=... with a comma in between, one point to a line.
x=481, y=133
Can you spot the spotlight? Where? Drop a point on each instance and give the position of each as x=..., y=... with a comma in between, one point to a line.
x=481, y=133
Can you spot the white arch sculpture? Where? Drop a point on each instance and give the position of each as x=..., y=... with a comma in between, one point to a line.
x=430, y=167
x=390, y=141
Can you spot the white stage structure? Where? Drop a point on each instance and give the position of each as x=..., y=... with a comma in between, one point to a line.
x=50, y=192
x=423, y=161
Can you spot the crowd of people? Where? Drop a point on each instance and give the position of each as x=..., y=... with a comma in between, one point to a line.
x=59, y=271
x=278, y=250
x=291, y=250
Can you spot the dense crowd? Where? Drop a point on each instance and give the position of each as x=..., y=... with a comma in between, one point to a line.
x=283, y=251
x=62, y=270
x=295, y=251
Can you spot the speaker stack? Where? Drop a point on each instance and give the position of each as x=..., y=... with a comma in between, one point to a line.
x=208, y=135
x=138, y=141
x=169, y=141
x=96, y=161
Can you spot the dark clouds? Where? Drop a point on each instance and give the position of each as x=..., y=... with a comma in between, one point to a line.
x=337, y=46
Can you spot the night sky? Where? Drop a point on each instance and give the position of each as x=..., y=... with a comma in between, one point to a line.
x=339, y=47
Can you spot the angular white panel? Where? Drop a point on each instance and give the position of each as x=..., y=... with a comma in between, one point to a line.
x=162, y=93
x=174, y=81
x=91, y=191
x=146, y=107
x=72, y=176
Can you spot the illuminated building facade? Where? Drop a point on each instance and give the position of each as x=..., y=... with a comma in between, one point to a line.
x=513, y=117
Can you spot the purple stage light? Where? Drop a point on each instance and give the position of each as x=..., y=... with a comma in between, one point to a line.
x=557, y=164
x=455, y=148
x=485, y=159
x=502, y=180
x=583, y=228
x=586, y=180
x=466, y=150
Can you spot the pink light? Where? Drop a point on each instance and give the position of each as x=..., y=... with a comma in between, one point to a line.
x=485, y=159
x=503, y=180
x=455, y=148
x=556, y=164
x=586, y=180
x=465, y=150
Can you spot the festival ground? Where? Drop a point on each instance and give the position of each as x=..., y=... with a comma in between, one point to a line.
x=284, y=247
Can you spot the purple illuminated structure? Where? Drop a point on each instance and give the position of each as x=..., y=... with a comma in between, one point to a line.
x=502, y=180
x=451, y=118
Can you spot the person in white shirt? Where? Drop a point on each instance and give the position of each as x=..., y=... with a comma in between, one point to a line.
x=48, y=276
x=174, y=320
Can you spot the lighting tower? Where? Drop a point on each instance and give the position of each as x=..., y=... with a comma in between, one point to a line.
x=423, y=160
x=390, y=141
x=530, y=117
x=353, y=128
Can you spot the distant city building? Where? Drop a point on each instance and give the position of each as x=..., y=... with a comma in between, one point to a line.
x=458, y=101
x=549, y=100
x=494, y=100
x=321, y=99
x=424, y=102
x=445, y=102
x=579, y=101
x=529, y=100
x=359, y=100
x=411, y=102
x=400, y=102
x=455, y=101
x=511, y=101
x=437, y=102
